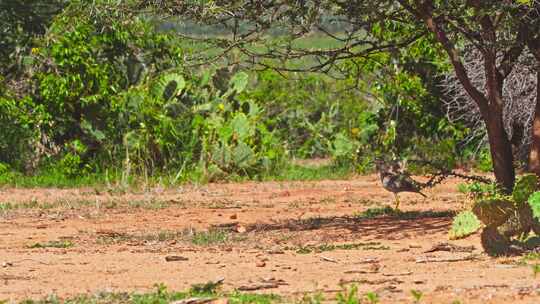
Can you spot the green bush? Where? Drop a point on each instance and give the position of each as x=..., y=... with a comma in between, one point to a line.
x=102, y=90
x=507, y=218
x=206, y=126
x=309, y=110
x=18, y=131
x=344, y=150
x=110, y=91
x=484, y=162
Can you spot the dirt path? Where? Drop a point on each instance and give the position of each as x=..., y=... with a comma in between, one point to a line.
x=296, y=237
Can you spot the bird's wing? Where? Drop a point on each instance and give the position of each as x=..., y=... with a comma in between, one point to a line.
x=406, y=183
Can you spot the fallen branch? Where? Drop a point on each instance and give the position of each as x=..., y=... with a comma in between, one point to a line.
x=450, y=248
x=471, y=257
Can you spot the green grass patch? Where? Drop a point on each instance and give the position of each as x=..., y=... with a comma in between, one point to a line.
x=405, y=215
x=112, y=181
x=531, y=256
x=332, y=247
x=152, y=204
x=6, y=206
x=210, y=237
x=376, y=212
x=245, y=298
x=61, y=203
x=54, y=178
x=208, y=291
x=33, y=204
x=199, y=238
x=295, y=172
x=53, y=244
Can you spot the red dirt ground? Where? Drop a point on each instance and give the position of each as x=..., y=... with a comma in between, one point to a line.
x=120, y=242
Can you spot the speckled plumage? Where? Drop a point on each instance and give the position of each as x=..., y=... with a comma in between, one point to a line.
x=395, y=181
x=399, y=182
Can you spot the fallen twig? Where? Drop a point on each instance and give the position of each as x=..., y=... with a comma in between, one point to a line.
x=175, y=258
x=447, y=260
x=258, y=286
x=327, y=259
x=194, y=301
x=450, y=248
x=397, y=274
x=371, y=282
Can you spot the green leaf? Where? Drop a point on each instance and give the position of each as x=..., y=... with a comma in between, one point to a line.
x=241, y=127
x=243, y=155
x=168, y=86
x=239, y=82
x=221, y=155
x=225, y=133
x=88, y=128
x=343, y=146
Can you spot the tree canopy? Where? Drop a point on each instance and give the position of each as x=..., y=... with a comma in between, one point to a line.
x=498, y=30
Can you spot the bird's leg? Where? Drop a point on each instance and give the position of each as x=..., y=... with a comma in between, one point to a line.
x=397, y=201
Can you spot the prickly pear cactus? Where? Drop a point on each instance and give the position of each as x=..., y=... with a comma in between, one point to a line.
x=534, y=202
x=493, y=212
x=494, y=243
x=526, y=219
x=464, y=224
x=518, y=224
x=524, y=187
x=509, y=218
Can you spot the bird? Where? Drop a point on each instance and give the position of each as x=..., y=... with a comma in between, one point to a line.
x=395, y=180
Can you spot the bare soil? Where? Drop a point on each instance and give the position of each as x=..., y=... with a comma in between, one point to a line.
x=274, y=237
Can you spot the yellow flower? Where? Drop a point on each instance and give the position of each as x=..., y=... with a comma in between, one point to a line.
x=221, y=106
x=35, y=50
x=355, y=131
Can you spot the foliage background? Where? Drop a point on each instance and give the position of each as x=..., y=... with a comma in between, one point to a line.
x=96, y=90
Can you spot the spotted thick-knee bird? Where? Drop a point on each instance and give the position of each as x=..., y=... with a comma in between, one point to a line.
x=396, y=181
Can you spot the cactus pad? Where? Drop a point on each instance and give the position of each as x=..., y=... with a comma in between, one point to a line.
x=493, y=212
x=534, y=202
x=494, y=243
x=464, y=224
x=524, y=187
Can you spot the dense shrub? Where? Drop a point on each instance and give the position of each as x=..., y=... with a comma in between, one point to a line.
x=309, y=110
x=103, y=89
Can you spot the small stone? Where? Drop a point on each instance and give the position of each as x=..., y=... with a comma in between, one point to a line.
x=275, y=251
x=7, y=264
x=175, y=258
x=260, y=264
x=233, y=217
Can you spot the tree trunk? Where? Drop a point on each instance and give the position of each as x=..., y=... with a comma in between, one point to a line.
x=490, y=106
x=534, y=153
x=501, y=152
x=499, y=143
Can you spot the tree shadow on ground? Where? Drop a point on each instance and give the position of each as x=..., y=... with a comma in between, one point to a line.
x=377, y=223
